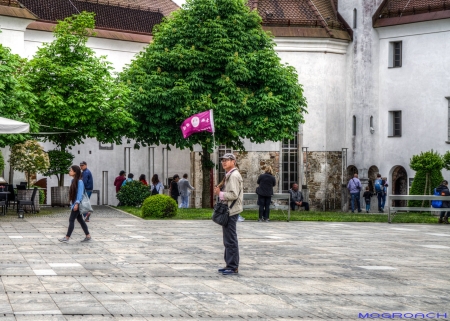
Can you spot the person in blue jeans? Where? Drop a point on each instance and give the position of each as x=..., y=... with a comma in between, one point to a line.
x=381, y=186
x=354, y=186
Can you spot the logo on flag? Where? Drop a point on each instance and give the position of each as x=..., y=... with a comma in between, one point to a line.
x=200, y=122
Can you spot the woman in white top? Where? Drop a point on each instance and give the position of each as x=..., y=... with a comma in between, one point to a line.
x=156, y=187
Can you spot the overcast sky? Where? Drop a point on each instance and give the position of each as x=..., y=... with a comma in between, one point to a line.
x=179, y=2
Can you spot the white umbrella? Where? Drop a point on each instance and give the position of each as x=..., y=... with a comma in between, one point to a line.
x=9, y=126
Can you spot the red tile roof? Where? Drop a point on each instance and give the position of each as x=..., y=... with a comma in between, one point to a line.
x=393, y=12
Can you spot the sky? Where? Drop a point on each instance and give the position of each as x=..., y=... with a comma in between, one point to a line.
x=179, y=2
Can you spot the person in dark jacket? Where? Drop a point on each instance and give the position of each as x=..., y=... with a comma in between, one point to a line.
x=88, y=185
x=266, y=183
x=174, y=191
x=444, y=191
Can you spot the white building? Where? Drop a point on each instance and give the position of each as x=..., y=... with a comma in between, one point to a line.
x=374, y=73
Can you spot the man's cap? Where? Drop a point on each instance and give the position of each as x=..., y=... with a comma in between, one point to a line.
x=229, y=156
x=83, y=163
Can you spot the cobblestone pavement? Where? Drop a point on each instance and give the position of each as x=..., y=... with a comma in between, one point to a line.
x=167, y=270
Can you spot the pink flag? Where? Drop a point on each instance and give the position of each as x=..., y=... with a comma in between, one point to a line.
x=200, y=122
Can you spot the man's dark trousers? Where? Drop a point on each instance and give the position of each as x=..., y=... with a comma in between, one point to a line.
x=230, y=241
x=381, y=200
x=304, y=204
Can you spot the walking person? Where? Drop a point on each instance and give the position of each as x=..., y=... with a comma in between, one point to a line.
x=143, y=180
x=185, y=191
x=297, y=198
x=156, y=187
x=444, y=191
x=118, y=182
x=88, y=182
x=381, y=190
x=367, y=196
x=354, y=186
x=76, y=191
x=230, y=189
x=266, y=183
x=174, y=191
x=129, y=179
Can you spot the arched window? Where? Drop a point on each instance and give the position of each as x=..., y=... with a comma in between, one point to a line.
x=354, y=126
x=355, y=13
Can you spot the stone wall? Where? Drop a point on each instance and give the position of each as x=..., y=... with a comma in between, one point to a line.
x=323, y=177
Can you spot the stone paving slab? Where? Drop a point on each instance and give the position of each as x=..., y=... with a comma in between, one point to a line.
x=166, y=270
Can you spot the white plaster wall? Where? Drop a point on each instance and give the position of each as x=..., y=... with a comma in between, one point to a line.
x=12, y=33
x=418, y=89
x=321, y=67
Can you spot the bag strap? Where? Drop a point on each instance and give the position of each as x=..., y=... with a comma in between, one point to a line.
x=232, y=204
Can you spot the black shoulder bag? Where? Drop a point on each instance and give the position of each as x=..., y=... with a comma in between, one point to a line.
x=222, y=212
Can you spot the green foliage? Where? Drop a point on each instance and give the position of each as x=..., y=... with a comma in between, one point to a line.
x=446, y=159
x=213, y=54
x=418, y=186
x=2, y=162
x=133, y=193
x=427, y=162
x=159, y=206
x=16, y=98
x=30, y=158
x=75, y=90
x=60, y=161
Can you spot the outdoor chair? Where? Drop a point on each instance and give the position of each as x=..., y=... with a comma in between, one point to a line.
x=21, y=187
x=21, y=203
x=3, y=206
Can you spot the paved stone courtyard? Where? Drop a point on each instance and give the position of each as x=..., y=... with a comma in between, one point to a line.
x=166, y=270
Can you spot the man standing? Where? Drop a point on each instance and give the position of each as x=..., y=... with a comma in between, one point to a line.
x=354, y=186
x=185, y=191
x=297, y=198
x=118, y=182
x=174, y=191
x=88, y=184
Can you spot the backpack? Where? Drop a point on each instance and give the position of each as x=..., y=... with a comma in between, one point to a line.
x=436, y=204
x=378, y=185
x=155, y=190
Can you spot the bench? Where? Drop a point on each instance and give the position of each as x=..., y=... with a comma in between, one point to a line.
x=278, y=196
x=395, y=209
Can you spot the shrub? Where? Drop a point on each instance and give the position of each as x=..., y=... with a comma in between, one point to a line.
x=418, y=186
x=159, y=206
x=133, y=194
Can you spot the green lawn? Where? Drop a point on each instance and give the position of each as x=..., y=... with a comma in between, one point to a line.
x=205, y=214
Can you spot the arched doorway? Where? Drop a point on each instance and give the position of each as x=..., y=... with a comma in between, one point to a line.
x=372, y=175
x=351, y=170
x=399, y=183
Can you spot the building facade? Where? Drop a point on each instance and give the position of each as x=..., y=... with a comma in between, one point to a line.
x=374, y=74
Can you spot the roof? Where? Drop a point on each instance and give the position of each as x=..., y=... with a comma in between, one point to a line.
x=396, y=12
x=138, y=16
x=300, y=14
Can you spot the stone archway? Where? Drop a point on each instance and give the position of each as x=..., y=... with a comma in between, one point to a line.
x=351, y=170
x=372, y=176
x=399, y=184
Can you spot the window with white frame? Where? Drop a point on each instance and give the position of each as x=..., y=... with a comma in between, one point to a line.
x=395, y=123
x=395, y=54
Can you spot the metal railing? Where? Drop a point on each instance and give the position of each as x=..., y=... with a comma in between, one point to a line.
x=394, y=209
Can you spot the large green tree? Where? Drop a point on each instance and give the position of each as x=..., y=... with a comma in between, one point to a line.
x=213, y=54
x=16, y=98
x=77, y=95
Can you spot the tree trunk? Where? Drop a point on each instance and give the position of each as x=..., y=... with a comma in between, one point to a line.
x=206, y=171
x=61, y=176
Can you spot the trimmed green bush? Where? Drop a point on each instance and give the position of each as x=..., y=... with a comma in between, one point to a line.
x=133, y=194
x=159, y=206
x=418, y=186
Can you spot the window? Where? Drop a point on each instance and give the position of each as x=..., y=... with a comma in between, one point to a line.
x=355, y=12
x=222, y=151
x=395, y=124
x=290, y=163
x=371, y=121
x=395, y=54
x=354, y=126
